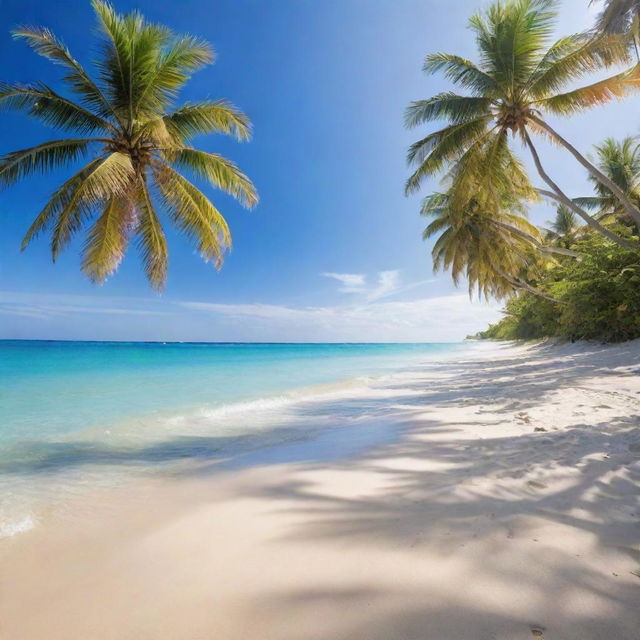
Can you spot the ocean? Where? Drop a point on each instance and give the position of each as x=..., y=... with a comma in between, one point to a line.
x=77, y=416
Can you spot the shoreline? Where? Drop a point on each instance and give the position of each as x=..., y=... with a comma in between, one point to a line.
x=459, y=519
x=297, y=422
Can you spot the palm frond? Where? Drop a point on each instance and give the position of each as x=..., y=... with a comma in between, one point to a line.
x=455, y=108
x=215, y=116
x=58, y=202
x=434, y=204
x=617, y=16
x=107, y=240
x=220, y=172
x=43, y=157
x=510, y=37
x=571, y=58
x=111, y=177
x=131, y=54
x=194, y=214
x=162, y=81
x=45, y=43
x=436, y=149
x=461, y=72
x=589, y=202
x=41, y=102
x=596, y=94
x=152, y=241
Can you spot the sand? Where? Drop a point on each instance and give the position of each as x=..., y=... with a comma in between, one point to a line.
x=505, y=507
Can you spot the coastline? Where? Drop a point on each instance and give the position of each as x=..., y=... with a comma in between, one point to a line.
x=443, y=511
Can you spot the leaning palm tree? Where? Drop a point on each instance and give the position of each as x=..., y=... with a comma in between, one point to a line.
x=137, y=140
x=620, y=162
x=518, y=80
x=495, y=253
x=483, y=233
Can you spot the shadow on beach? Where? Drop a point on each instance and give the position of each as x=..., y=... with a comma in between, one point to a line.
x=455, y=494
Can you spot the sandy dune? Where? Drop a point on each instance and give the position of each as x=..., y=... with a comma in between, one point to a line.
x=506, y=508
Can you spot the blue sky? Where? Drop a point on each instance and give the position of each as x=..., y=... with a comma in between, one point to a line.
x=334, y=250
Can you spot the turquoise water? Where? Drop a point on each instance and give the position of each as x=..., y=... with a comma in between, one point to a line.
x=53, y=388
x=79, y=417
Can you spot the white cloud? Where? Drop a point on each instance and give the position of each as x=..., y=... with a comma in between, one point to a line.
x=388, y=284
x=351, y=282
x=446, y=318
x=374, y=319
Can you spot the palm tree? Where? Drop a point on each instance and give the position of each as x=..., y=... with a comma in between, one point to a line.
x=620, y=17
x=620, y=162
x=563, y=228
x=495, y=253
x=518, y=80
x=137, y=139
x=483, y=231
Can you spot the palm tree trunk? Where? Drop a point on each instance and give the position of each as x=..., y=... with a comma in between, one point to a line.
x=521, y=284
x=560, y=196
x=631, y=209
x=529, y=238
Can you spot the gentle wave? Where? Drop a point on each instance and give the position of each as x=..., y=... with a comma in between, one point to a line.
x=12, y=526
x=48, y=467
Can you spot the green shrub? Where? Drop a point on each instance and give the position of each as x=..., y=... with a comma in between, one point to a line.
x=600, y=292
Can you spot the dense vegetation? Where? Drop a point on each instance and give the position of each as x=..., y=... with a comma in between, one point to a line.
x=599, y=298
x=581, y=277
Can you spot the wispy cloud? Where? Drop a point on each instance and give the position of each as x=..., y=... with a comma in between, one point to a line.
x=388, y=283
x=374, y=318
x=48, y=305
x=445, y=318
x=351, y=282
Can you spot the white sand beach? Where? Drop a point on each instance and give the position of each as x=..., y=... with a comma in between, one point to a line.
x=505, y=507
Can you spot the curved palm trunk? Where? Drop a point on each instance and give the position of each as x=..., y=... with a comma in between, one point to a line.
x=521, y=284
x=631, y=209
x=536, y=243
x=561, y=197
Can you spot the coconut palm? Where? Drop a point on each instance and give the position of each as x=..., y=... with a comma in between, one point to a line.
x=483, y=233
x=136, y=140
x=565, y=222
x=495, y=253
x=563, y=228
x=620, y=161
x=518, y=81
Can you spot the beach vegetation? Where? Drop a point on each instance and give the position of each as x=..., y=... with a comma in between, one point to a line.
x=576, y=277
x=600, y=295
